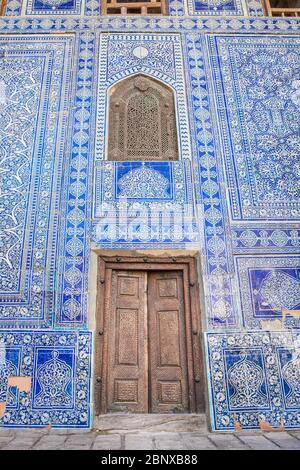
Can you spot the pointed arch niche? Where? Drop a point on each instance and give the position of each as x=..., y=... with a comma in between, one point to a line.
x=142, y=121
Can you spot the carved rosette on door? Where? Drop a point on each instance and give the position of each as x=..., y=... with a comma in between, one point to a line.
x=148, y=343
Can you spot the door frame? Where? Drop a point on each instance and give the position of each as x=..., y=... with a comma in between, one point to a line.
x=193, y=328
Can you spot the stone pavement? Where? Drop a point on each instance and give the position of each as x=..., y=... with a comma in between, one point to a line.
x=146, y=432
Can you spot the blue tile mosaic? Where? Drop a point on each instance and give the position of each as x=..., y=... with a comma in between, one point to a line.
x=252, y=393
x=33, y=69
x=252, y=379
x=175, y=7
x=255, y=8
x=265, y=239
x=225, y=8
x=163, y=25
x=52, y=359
x=237, y=172
x=71, y=307
x=257, y=85
x=52, y=7
x=9, y=367
x=216, y=7
x=149, y=181
x=218, y=260
x=152, y=180
x=92, y=8
x=146, y=202
x=267, y=285
x=195, y=7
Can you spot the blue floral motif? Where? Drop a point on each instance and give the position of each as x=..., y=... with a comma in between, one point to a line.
x=263, y=132
x=262, y=238
x=52, y=359
x=53, y=379
x=20, y=84
x=8, y=368
x=290, y=371
x=52, y=7
x=13, y=8
x=30, y=76
x=291, y=374
x=216, y=7
x=280, y=290
x=247, y=377
x=144, y=183
x=157, y=55
x=165, y=188
x=177, y=24
x=209, y=177
x=268, y=286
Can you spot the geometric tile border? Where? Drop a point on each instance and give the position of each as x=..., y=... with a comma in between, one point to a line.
x=264, y=239
x=71, y=305
x=163, y=24
x=210, y=189
x=144, y=202
x=146, y=182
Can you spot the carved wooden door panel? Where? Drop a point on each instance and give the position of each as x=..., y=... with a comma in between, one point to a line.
x=167, y=344
x=127, y=378
x=146, y=341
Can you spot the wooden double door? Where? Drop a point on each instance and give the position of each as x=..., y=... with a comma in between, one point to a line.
x=147, y=343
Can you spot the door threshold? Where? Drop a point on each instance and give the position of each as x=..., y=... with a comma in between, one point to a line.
x=143, y=422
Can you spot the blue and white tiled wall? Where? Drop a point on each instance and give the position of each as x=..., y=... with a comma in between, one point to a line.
x=93, y=7
x=237, y=109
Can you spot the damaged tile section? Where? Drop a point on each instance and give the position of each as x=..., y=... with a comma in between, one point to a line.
x=2, y=409
x=38, y=386
x=293, y=313
x=271, y=325
x=22, y=383
x=254, y=381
